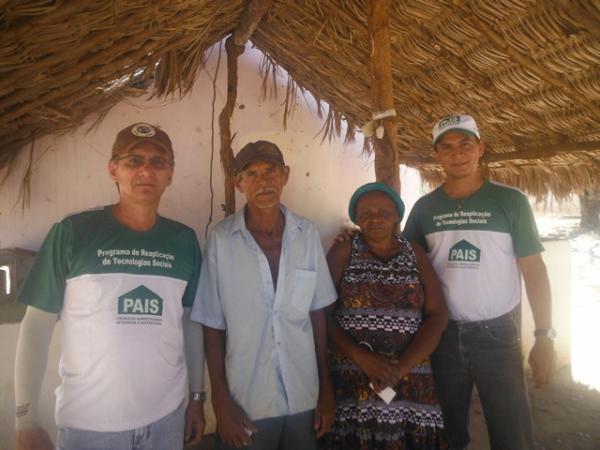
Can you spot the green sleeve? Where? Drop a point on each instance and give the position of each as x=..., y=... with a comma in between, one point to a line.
x=44, y=286
x=413, y=230
x=526, y=240
x=192, y=285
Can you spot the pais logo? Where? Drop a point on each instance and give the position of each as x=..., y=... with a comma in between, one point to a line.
x=464, y=251
x=140, y=301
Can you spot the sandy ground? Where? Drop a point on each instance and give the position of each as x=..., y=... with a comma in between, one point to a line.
x=566, y=416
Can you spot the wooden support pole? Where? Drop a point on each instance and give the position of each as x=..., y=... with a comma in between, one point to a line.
x=226, y=152
x=234, y=46
x=386, y=159
x=253, y=13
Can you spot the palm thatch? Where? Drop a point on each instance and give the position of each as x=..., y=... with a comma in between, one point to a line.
x=528, y=71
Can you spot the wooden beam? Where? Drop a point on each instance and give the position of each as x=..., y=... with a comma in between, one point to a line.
x=543, y=152
x=252, y=15
x=387, y=169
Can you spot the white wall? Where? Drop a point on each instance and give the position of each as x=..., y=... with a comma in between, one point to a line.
x=69, y=174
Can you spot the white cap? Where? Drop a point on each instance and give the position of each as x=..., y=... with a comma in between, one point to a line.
x=463, y=123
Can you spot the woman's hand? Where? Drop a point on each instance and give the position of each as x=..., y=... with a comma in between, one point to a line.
x=400, y=369
x=380, y=370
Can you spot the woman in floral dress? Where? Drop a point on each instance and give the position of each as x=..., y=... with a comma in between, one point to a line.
x=387, y=321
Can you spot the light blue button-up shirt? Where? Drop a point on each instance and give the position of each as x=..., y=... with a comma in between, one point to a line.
x=270, y=362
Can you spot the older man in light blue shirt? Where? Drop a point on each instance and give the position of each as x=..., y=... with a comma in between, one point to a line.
x=262, y=291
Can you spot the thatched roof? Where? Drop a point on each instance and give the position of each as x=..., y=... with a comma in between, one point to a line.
x=528, y=71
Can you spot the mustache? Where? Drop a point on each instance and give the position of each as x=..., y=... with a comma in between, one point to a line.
x=267, y=190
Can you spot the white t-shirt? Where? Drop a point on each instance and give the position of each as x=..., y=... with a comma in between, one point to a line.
x=120, y=295
x=474, y=243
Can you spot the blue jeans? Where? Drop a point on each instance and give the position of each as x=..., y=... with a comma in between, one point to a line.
x=164, y=434
x=294, y=432
x=487, y=354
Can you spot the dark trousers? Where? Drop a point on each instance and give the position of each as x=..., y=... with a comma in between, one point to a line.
x=487, y=354
x=293, y=432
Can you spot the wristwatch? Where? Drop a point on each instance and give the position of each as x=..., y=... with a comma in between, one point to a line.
x=198, y=396
x=549, y=333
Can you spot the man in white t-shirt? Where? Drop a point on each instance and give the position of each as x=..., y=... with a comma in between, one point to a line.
x=122, y=279
x=481, y=238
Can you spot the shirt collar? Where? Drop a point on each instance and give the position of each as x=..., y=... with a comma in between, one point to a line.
x=292, y=225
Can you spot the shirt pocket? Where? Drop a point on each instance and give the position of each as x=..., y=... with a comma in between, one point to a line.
x=303, y=291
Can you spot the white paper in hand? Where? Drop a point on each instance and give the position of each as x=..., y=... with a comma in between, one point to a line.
x=387, y=394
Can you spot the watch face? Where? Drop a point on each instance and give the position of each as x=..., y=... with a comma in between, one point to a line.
x=198, y=396
x=549, y=333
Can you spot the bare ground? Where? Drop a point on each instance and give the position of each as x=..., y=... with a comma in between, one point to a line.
x=566, y=416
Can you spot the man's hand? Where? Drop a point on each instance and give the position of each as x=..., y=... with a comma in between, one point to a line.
x=345, y=234
x=380, y=370
x=194, y=423
x=537, y=285
x=542, y=360
x=33, y=439
x=325, y=411
x=233, y=425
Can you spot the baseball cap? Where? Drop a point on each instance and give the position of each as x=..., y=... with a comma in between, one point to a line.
x=139, y=132
x=463, y=123
x=370, y=187
x=257, y=151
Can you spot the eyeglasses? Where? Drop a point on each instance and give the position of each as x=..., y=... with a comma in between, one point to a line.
x=137, y=161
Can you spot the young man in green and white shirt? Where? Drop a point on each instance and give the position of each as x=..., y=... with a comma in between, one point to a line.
x=481, y=237
x=122, y=279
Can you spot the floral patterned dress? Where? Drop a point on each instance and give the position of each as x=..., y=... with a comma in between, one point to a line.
x=380, y=307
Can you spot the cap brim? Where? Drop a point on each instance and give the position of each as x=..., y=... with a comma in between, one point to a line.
x=150, y=140
x=459, y=130
x=261, y=158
